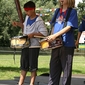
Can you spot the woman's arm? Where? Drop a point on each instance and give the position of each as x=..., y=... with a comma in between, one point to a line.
x=54, y=36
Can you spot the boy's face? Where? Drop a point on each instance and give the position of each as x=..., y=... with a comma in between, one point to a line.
x=29, y=12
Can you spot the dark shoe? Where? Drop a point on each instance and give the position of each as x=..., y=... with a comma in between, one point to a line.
x=84, y=82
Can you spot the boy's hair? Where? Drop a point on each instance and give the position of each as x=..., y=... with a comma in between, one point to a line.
x=29, y=4
x=71, y=3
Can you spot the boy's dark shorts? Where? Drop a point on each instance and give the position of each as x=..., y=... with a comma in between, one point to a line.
x=29, y=59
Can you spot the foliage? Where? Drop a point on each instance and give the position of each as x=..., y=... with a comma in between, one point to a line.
x=81, y=10
x=54, y=2
x=6, y=29
x=8, y=14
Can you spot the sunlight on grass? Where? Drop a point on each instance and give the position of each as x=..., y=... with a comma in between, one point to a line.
x=9, y=69
x=79, y=65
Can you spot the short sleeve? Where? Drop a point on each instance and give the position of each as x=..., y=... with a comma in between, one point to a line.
x=82, y=25
x=73, y=19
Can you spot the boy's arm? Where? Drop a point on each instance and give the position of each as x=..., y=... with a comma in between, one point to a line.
x=78, y=37
x=19, y=24
x=36, y=35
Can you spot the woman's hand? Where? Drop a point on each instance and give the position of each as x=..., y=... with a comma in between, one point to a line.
x=51, y=38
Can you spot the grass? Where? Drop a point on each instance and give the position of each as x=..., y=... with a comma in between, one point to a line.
x=9, y=69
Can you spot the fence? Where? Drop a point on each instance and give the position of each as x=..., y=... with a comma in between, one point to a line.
x=8, y=50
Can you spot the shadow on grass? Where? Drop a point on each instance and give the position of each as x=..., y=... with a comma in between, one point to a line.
x=41, y=70
x=18, y=69
x=4, y=69
x=78, y=71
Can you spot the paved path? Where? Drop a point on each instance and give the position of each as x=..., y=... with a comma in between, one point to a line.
x=43, y=80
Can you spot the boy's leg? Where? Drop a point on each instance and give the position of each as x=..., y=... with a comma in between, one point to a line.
x=33, y=76
x=33, y=63
x=22, y=77
x=24, y=64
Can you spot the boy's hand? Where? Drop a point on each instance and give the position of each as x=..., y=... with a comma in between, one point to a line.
x=31, y=35
x=76, y=44
x=14, y=23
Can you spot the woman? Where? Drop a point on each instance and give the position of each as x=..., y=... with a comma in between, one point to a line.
x=62, y=57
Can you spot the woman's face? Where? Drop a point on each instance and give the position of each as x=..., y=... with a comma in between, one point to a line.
x=63, y=2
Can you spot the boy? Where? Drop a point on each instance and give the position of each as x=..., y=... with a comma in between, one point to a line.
x=33, y=25
x=80, y=30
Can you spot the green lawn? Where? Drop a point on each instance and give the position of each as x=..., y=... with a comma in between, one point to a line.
x=9, y=69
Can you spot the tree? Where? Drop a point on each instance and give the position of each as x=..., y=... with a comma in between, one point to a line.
x=54, y=2
x=6, y=29
x=8, y=13
x=81, y=10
